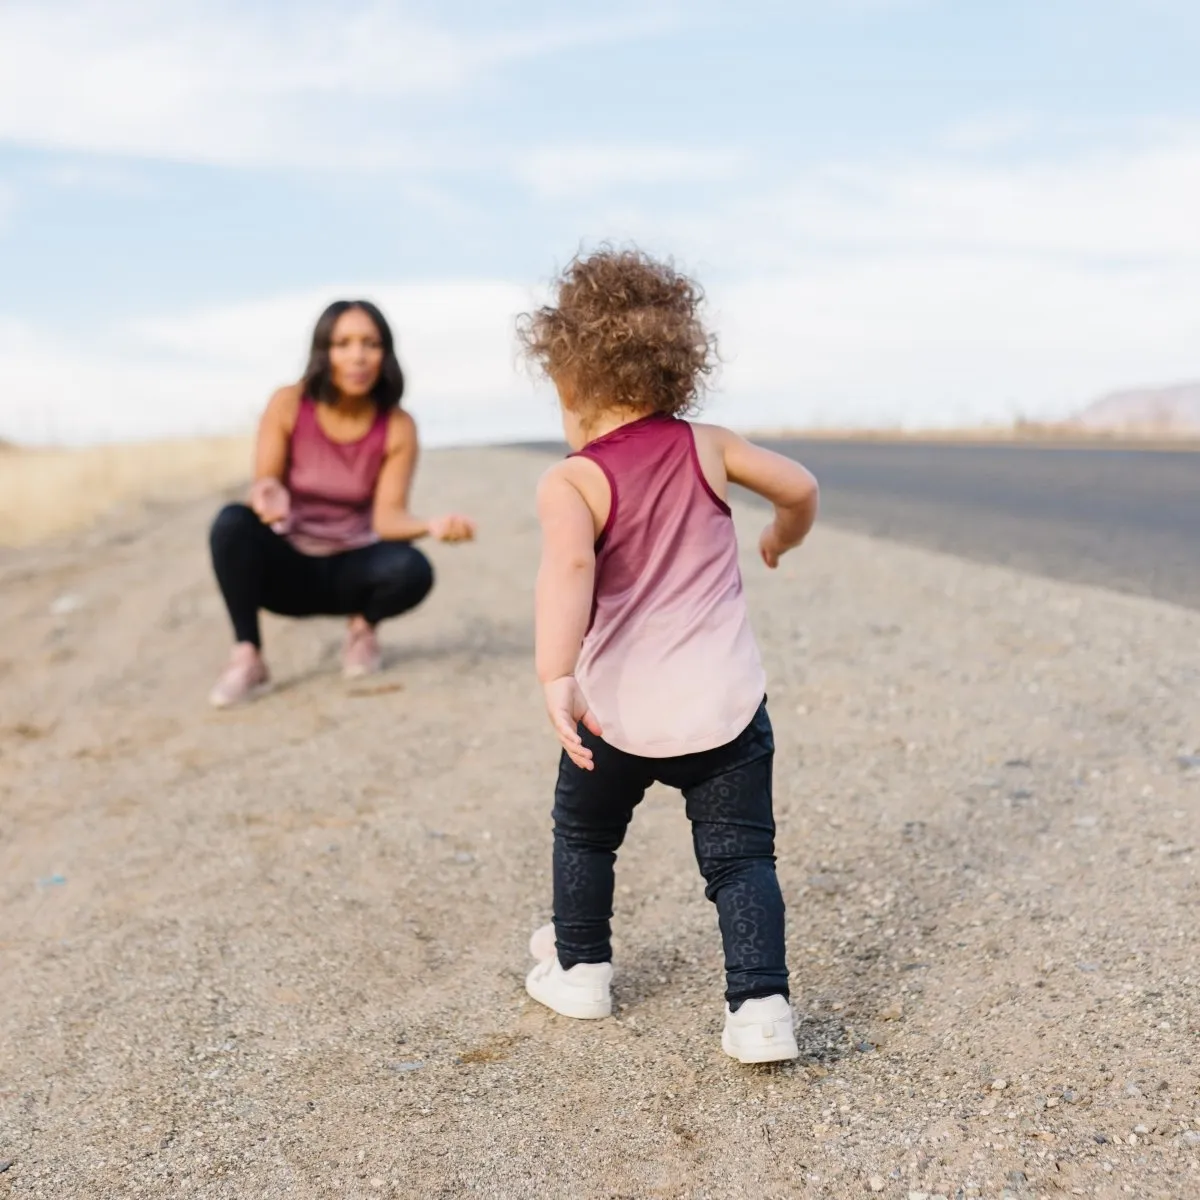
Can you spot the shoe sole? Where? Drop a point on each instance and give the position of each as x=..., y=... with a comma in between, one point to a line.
x=357, y=672
x=583, y=1010
x=761, y=1052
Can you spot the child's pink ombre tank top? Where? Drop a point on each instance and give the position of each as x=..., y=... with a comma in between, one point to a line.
x=332, y=485
x=669, y=665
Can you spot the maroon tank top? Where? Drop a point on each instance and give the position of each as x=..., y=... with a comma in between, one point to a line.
x=669, y=664
x=332, y=484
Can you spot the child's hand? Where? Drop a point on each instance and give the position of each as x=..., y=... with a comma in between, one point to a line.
x=270, y=500
x=567, y=707
x=772, y=547
x=452, y=528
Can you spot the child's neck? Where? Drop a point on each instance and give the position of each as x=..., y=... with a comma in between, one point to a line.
x=605, y=422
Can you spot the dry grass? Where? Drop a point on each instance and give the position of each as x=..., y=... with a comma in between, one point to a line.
x=44, y=493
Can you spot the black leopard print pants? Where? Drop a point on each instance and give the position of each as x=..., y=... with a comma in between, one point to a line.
x=727, y=792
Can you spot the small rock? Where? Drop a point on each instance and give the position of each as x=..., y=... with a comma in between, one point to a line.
x=893, y=1012
x=875, y=1183
x=5, y=1165
x=1133, y=1139
x=1189, y=762
x=1141, y=1130
x=377, y=1182
x=1101, y=1139
x=401, y=1067
x=69, y=602
x=1016, y=1178
x=998, y=1085
x=1070, y=1097
x=824, y=883
x=463, y=857
x=918, y=1196
x=1132, y=1091
x=1089, y=967
x=1191, y=1138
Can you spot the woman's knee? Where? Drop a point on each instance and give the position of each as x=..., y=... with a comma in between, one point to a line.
x=232, y=523
x=405, y=569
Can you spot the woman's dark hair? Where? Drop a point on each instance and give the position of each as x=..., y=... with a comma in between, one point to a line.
x=318, y=380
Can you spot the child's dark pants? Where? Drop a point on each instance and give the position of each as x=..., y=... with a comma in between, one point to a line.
x=728, y=797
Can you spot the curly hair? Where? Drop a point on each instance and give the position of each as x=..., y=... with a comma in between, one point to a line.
x=625, y=333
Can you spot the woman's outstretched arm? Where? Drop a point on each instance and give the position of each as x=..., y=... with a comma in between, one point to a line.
x=392, y=519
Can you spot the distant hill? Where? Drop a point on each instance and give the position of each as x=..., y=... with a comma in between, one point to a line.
x=1163, y=410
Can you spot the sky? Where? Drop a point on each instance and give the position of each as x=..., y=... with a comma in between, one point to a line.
x=905, y=213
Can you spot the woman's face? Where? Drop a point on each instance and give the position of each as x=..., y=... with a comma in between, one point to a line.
x=355, y=354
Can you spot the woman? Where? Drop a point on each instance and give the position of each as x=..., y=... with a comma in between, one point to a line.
x=327, y=531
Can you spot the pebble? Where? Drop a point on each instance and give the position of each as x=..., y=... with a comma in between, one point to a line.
x=875, y=1183
x=377, y=1182
x=401, y=1067
x=998, y=1085
x=1141, y=1130
x=1191, y=1138
x=69, y=602
x=1016, y=1178
x=1132, y=1091
x=893, y=1012
x=1070, y=1097
x=5, y=1165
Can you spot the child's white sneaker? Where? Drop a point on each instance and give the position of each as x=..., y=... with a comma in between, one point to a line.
x=582, y=992
x=760, y=1031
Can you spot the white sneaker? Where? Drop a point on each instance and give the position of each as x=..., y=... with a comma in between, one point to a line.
x=760, y=1031
x=582, y=992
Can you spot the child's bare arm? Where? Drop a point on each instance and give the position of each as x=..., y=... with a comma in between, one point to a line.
x=563, y=603
x=785, y=483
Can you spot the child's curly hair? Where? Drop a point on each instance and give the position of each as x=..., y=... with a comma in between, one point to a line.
x=625, y=333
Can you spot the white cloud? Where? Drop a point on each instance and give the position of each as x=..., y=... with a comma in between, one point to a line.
x=1104, y=205
x=563, y=172
x=942, y=291
x=236, y=84
x=917, y=293
x=211, y=371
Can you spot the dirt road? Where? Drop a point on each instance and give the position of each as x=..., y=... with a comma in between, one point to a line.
x=279, y=952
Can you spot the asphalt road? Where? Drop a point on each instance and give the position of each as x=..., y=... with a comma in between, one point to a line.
x=1124, y=519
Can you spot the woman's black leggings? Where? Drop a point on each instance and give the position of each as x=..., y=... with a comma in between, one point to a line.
x=257, y=569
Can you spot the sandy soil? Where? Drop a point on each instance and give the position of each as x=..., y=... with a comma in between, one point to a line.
x=279, y=952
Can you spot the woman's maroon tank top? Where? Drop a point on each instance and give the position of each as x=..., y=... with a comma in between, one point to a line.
x=332, y=484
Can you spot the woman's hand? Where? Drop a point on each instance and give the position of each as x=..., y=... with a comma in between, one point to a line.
x=452, y=528
x=270, y=500
x=566, y=708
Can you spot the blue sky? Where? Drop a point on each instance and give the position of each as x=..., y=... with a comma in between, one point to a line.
x=919, y=212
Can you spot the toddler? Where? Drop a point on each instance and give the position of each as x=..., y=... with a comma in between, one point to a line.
x=644, y=649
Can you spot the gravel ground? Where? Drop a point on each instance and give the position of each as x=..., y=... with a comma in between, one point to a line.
x=279, y=952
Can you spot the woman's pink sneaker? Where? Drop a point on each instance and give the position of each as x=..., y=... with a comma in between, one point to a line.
x=360, y=655
x=244, y=678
